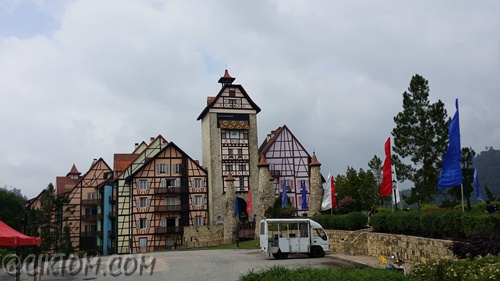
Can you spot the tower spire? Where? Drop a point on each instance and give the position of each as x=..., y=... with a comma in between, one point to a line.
x=226, y=79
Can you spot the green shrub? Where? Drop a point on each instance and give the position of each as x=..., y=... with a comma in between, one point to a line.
x=484, y=268
x=351, y=221
x=278, y=273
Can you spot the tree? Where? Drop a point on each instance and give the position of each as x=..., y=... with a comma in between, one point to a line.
x=420, y=139
x=375, y=166
x=361, y=187
x=12, y=208
x=46, y=218
x=489, y=194
x=66, y=245
x=277, y=211
x=467, y=177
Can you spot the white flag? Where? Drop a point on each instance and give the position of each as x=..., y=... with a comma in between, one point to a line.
x=327, y=195
x=395, y=178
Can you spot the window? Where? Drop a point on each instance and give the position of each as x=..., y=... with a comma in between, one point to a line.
x=243, y=167
x=302, y=183
x=245, y=134
x=232, y=93
x=176, y=168
x=198, y=220
x=143, y=242
x=197, y=183
x=161, y=168
x=143, y=185
x=91, y=195
x=197, y=201
x=229, y=167
x=232, y=102
x=171, y=201
x=240, y=151
x=142, y=223
x=164, y=183
x=223, y=134
x=242, y=182
x=143, y=202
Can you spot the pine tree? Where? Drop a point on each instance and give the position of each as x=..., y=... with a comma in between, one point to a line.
x=420, y=140
x=46, y=219
x=66, y=245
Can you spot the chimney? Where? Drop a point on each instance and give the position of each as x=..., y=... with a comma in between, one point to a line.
x=136, y=145
x=151, y=139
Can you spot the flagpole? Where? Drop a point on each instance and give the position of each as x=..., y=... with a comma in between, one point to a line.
x=462, y=189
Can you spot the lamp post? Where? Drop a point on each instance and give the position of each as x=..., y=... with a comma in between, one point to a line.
x=394, y=187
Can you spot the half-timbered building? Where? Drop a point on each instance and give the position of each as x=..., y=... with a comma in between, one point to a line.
x=288, y=164
x=229, y=145
x=82, y=209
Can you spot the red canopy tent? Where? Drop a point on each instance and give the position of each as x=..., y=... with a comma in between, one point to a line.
x=10, y=237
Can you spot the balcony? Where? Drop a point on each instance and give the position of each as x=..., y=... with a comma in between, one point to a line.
x=275, y=173
x=172, y=190
x=168, y=208
x=89, y=234
x=169, y=229
x=91, y=201
x=91, y=217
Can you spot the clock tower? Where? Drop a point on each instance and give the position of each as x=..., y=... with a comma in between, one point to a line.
x=229, y=145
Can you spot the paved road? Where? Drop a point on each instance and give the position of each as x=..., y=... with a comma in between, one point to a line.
x=222, y=265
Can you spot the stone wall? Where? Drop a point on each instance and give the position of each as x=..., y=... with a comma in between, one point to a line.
x=409, y=248
x=203, y=236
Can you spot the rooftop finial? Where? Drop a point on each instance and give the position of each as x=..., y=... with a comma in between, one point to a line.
x=226, y=79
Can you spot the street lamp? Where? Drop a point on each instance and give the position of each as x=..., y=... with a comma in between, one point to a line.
x=394, y=187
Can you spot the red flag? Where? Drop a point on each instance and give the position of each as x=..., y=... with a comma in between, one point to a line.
x=334, y=199
x=386, y=187
x=249, y=202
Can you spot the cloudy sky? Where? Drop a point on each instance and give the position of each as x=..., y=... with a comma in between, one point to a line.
x=86, y=79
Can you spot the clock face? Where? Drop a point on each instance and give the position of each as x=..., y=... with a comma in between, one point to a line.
x=235, y=134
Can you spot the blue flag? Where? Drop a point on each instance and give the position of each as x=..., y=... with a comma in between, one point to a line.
x=284, y=198
x=451, y=175
x=236, y=207
x=304, y=195
x=475, y=183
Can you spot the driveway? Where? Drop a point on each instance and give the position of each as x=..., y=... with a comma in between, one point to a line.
x=221, y=265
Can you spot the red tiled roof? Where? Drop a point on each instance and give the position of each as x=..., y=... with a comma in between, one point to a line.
x=122, y=161
x=64, y=184
x=73, y=170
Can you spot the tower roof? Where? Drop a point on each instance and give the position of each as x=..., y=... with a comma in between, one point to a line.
x=230, y=177
x=226, y=79
x=314, y=161
x=73, y=171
